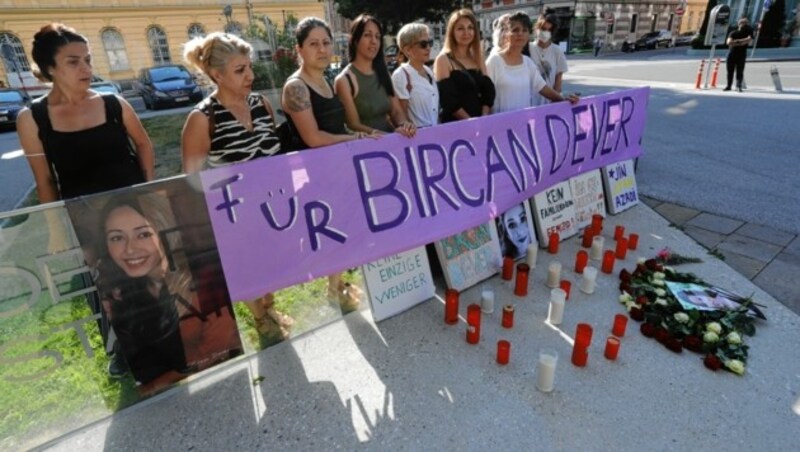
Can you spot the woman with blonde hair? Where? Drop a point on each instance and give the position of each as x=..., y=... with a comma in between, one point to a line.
x=465, y=90
x=231, y=125
x=414, y=82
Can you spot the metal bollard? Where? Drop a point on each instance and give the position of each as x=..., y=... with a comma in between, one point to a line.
x=776, y=78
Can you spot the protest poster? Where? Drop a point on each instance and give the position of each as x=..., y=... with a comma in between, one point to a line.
x=515, y=231
x=398, y=282
x=619, y=180
x=554, y=211
x=469, y=257
x=589, y=198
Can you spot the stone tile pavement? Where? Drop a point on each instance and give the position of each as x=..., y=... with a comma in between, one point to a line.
x=768, y=257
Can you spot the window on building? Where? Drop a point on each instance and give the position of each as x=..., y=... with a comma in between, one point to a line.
x=690, y=20
x=234, y=28
x=115, y=50
x=654, y=22
x=671, y=20
x=610, y=26
x=196, y=31
x=19, y=61
x=634, y=23
x=158, y=45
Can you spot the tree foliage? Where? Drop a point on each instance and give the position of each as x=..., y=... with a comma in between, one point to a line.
x=394, y=14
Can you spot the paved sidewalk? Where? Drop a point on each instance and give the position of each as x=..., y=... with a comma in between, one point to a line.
x=768, y=257
x=412, y=383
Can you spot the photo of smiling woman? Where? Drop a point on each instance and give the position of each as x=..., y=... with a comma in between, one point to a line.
x=168, y=323
x=515, y=231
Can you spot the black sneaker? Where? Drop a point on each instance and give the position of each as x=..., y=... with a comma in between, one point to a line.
x=117, y=367
x=727, y=88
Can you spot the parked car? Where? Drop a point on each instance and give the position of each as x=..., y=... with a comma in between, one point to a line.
x=169, y=85
x=654, y=40
x=11, y=102
x=684, y=39
x=105, y=87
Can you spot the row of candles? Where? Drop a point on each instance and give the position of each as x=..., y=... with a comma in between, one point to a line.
x=559, y=294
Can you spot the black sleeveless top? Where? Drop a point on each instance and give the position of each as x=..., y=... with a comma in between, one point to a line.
x=328, y=112
x=465, y=88
x=93, y=160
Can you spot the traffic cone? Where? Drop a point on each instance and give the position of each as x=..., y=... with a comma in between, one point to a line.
x=699, y=74
x=714, y=74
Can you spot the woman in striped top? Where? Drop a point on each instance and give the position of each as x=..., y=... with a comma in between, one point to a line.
x=232, y=125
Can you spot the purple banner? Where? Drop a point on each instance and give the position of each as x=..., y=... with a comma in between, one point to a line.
x=284, y=220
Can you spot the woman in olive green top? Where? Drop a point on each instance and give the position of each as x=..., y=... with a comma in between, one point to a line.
x=365, y=87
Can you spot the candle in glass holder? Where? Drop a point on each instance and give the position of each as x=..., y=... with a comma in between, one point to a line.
x=552, y=245
x=588, y=235
x=487, y=300
x=581, y=259
x=619, y=231
x=530, y=257
x=597, y=223
x=588, y=281
x=508, y=268
x=451, y=306
x=608, y=262
x=473, y=323
x=521, y=288
x=622, y=248
x=566, y=286
x=508, y=316
x=620, y=323
x=503, y=351
x=556, y=314
x=633, y=241
x=546, y=370
x=553, y=274
x=596, y=253
x=580, y=355
x=612, y=348
x=583, y=335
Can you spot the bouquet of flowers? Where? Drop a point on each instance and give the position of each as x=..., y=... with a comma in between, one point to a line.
x=680, y=311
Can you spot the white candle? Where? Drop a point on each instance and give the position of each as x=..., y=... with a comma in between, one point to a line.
x=588, y=280
x=596, y=252
x=487, y=300
x=546, y=370
x=556, y=314
x=554, y=274
x=530, y=258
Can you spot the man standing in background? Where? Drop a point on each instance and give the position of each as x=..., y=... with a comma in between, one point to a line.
x=738, y=41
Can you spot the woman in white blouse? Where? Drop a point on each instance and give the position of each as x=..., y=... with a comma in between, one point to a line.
x=549, y=58
x=414, y=83
x=516, y=78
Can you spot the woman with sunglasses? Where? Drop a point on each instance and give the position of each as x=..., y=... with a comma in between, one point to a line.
x=413, y=81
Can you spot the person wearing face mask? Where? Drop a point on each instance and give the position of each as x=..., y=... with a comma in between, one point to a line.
x=738, y=41
x=549, y=58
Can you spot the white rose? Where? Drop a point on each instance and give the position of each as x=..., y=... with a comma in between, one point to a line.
x=735, y=366
x=658, y=282
x=629, y=305
x=681, y=317
x=641, y=260
x=625, y=298
x=668, y=269
x=714, y=327
x=733, y=338
x=661, y=301
x=659, y=275
x=710, y=337
x=660, y=292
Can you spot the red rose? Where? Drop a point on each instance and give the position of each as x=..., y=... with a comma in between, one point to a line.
x=648, y=329
x=624, y=276
x=651, y=264
x=693, y=343
x=674, y=345
x=637, y=314
x=642, y=300
x=712, y=362
x=662, y=335
x=639, y=271
x=625, y=287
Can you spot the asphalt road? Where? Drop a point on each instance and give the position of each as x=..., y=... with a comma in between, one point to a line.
x=733, y=154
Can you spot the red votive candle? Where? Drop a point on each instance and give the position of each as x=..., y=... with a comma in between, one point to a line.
x=503, y=352
x=622, y=248
x=583, y=335
x=597, y=224
x=580, y=355
x=451, y=306
x=587, y=237
x=552, y=246
x=566, y=286
x=619, y=231
x=608, y=262
x=473, y=323
x=508, y=316
x=521, y=288
x=620, y=322
x=633, y=241
x=612, y=348
x=508, y=268
x=581, y=259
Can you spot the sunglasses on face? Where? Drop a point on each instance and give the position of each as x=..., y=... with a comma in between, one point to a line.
x=425, y=44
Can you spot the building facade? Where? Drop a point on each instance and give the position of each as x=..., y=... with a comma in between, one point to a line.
x=128, y=35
